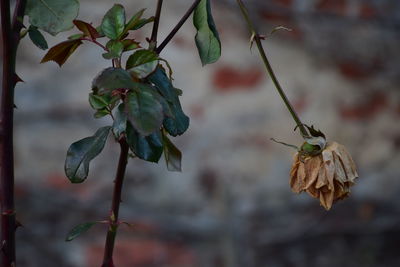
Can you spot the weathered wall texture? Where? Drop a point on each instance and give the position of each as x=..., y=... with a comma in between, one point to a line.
x=231, y=205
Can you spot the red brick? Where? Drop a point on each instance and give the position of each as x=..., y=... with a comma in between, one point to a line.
x=358, y=71
x=276, y=17
x=368, y=108
x=338, y=7
x=227, y=78
x=367, y=11
x=283, y=3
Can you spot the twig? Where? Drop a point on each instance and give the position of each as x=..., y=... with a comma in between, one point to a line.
x=177, y=27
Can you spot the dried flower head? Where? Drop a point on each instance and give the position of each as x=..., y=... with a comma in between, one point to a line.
x=327, y=176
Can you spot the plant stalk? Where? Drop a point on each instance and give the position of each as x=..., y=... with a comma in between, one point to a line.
x=269, y=69
x=177, y=27
x=10, y=34
x=156, y=23
x=116, y=200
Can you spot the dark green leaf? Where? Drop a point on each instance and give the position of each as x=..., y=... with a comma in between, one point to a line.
x=141, y=23
x=87, y=29
x=99, y=102
x=179, y=123
x=141, y=57
x=82, y=152
x=133, y=21
x=120, y=119
x=173, y=156
x=113, y=23
x=52, y=16
x=61, y=52
x=101, y=113
x=148, y=148
x=37, y=38
x=112, y=78
x=144, y=112
x=78, y=230
x=207, y=38
x=142, y=63
x=115, y=49
x=130, y=44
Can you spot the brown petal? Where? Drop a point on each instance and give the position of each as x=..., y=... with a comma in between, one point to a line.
x=348, y=163
x=340, y=174
x=312, y=166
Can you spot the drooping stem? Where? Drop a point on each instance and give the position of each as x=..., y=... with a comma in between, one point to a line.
x=255, y=36
x=154, y=33
x=177, y=27
x=10, y=34
x=116, y=200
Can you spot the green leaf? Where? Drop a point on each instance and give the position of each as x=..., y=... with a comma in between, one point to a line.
x=115, y=49
x=87, y=29
x=98, y=102
x=133, y=21
x=207, y=38
x=140, y=57
x=120, y=120
x=172, y=155
x=61, y=52
x=148, y=148
x=144, y=112
x=141, y=23
x=82, y=152
x=142, y=63
x=52, y=16
x=78, y=230
x=112, y=78
x=130, y=44
x=37, y=38
x=101, y=113
x=113, y=23
x=179, y=123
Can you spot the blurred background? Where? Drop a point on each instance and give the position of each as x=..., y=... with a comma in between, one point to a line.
x=231, y=206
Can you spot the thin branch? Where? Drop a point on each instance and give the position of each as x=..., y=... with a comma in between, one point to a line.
x=116, y=200
x=154, y=33
x=257, y=40
x=177, y=27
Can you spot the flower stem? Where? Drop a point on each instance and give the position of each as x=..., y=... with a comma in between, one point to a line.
x=177, y=27
x=10, y=34
x=269, y=69
x=116, y=200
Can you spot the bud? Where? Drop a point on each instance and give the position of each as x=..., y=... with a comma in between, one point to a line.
x=327, y=176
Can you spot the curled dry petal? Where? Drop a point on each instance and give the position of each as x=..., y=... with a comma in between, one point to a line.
x=327, y=176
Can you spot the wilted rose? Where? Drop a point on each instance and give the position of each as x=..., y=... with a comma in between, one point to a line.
x=327, y=176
